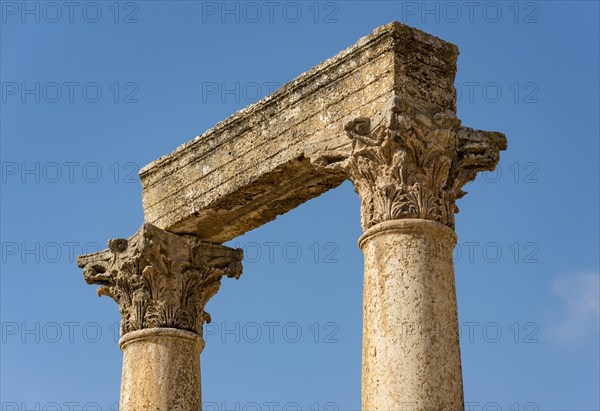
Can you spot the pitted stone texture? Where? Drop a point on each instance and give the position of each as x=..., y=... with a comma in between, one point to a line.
x=381, y=113
x=411, y=354
x=254, y=166
x=161, y=370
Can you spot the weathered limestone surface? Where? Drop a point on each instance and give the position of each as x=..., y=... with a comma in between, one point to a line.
x=161, y=370
x=381, y=114
x=161, y=282
x=411, y=354
x=254, y=166
x=409, y=168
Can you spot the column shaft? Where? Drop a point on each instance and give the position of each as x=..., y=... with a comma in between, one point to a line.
x=161, y=370
x=411, y=355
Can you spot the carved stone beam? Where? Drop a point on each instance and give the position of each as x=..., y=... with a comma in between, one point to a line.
x=161, y=282
x=409, y=168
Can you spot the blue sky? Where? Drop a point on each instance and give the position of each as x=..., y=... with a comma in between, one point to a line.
x=93, y=91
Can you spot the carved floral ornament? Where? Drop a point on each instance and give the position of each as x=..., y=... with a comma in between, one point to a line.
x=161, y=279
x=406, y=164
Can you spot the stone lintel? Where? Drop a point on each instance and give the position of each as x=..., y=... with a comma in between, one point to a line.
x=255, y=165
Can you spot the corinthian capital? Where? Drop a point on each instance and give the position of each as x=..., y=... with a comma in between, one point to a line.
x=407, y=164
x=161, y=279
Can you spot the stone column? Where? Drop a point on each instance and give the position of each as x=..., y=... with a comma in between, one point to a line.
x=161, y=282
x=411, y=358
x=408, y=168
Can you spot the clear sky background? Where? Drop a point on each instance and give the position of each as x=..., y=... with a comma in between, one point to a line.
x=287, y=335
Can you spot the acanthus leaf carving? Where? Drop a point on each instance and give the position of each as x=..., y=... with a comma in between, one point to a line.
x=407, y=164
x=161, y=279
